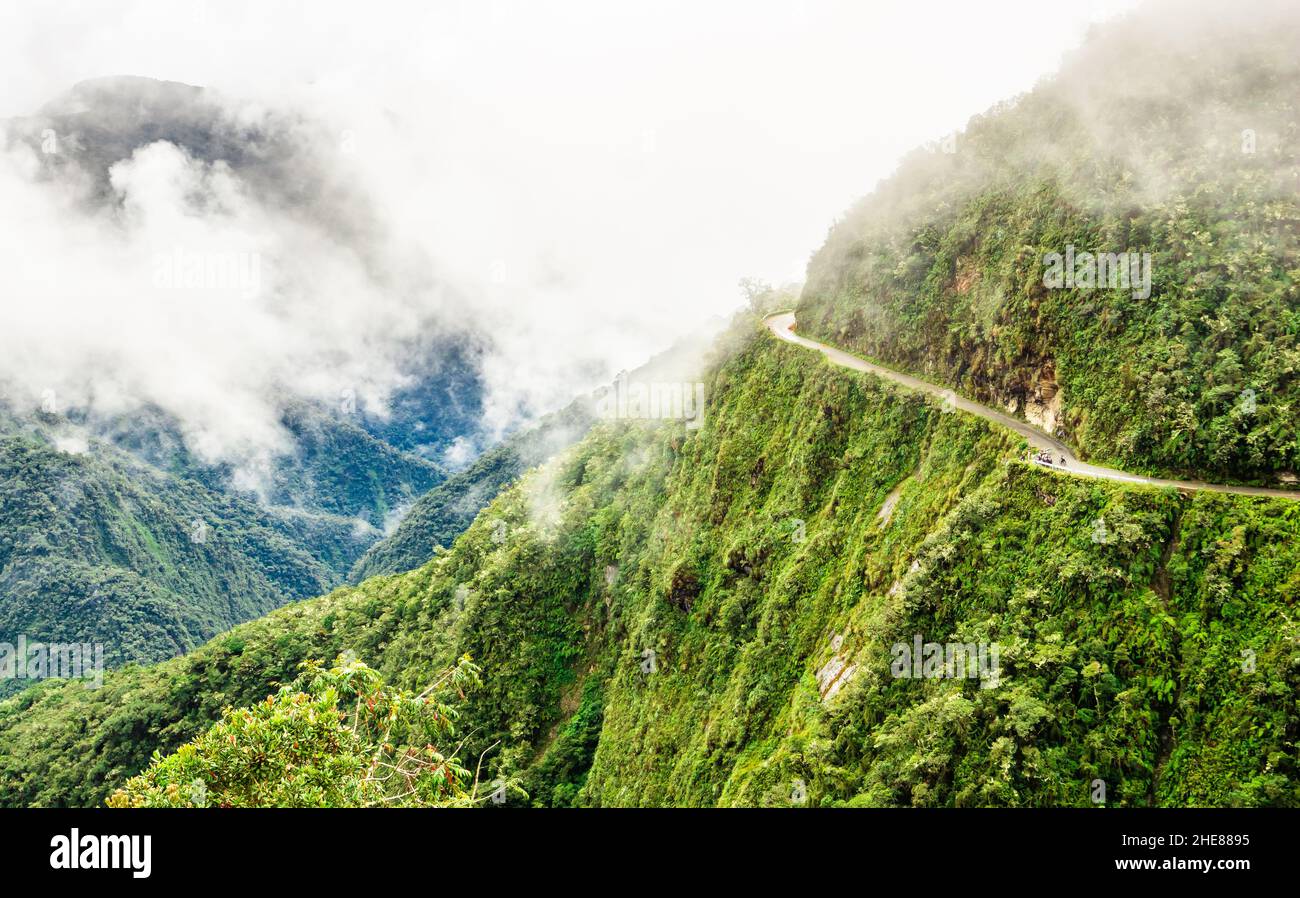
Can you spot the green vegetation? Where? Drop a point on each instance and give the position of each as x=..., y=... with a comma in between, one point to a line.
x=134, y=545
x=651, y=610
x=334, y=738
x=443, y=513
x=1182, y=146
x=666, y=616
x=339, y=469
x=96, y=549
x=335, y=466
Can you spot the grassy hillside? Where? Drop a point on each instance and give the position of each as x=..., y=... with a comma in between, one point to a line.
x=95, y=548
x=1163, y=135
x=130, y=541
x=652, y=609
x=443, y=513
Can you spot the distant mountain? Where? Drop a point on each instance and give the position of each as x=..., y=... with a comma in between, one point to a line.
x=107, y=516
x=96, y=547
x=443, y=513
x=116, y=565
x=103, y=121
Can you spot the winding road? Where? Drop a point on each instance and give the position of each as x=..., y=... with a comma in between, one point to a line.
x=1064, y=460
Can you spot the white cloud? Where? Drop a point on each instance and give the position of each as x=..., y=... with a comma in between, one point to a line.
x=458, y=453
x=586, y=181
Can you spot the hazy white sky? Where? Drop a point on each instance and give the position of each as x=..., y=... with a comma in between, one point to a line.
x=663, y=149
x=596, y=175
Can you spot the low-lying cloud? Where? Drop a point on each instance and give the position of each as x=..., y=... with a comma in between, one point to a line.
x=571, y=186
x=181, y=284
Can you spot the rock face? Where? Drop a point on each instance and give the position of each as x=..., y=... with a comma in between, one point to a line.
x=1045, y=402
x=835, y=674
x=887, y=507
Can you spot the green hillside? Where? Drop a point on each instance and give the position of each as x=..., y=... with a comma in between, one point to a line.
x=1157, y=138
x=747, y=613
x=746, y=556
x=442, y=514
x=129, y=541
x=336, y=467
x=95, y=548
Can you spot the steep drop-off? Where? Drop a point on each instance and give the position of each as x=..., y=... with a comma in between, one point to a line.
x=666, y=616
x=1169, y=141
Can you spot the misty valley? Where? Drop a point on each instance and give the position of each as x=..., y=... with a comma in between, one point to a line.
x=535, y=406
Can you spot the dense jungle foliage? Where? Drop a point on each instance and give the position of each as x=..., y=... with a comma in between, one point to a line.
x=333, y=738
x=96, y=549
x=1162, y=137
x=443, y=513
x=665, y=616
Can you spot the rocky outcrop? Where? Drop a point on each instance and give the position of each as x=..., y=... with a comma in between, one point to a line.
x=1045, y=400
x=835, y=674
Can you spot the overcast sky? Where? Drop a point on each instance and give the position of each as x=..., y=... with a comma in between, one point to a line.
x=596, y=176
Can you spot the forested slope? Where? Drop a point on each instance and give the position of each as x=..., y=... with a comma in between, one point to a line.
x=124, y=523
x=95, y=548
x=652, y=625
x=1170, y=137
